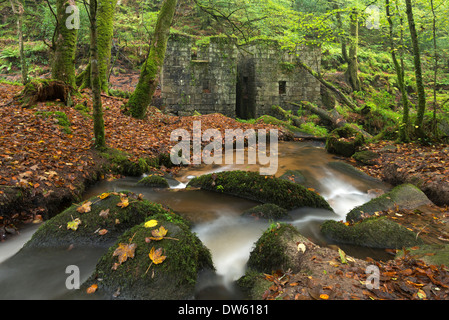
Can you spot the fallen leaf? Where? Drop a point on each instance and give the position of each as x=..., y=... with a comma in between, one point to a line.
x=342, y=256
x=302, y=247
x=158, y=234
x=102, y=232
x=123, y=203
x=124, y=251
x=85, y=207
x=74, y=224
x=104, y=195
x=92, y=289
x=156, y=255
x=150, y=224
x=104, y=213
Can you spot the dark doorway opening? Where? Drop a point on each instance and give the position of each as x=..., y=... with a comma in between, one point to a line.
x=246, y=90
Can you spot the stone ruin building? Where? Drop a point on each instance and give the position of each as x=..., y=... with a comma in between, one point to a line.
x=217, y=77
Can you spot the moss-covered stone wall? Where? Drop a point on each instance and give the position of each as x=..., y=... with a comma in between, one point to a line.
x=212, y=75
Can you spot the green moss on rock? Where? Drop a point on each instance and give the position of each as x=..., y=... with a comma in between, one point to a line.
x=266, y=189
x=344, y=141
x=405, y=196
x=373, y=232
x=139, y=279
x=267, y=211
x=154, y=181
x=54, y=232
x=277, y=249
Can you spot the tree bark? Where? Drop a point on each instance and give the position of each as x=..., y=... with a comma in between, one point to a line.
x=329, y=86
x=63, y=66
x=19, y=12
x=351, y=74
x=418, y=71
x=404, y=127
x=99, y=134
x=141, y=98
x=105, y=31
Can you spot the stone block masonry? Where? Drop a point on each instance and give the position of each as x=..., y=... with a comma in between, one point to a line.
x=215, y=76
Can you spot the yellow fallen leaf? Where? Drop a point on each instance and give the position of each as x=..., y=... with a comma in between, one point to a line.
x=150, y=224
x=324, y=296
x=74, y=224
x=156, y=255
x=123, y=203
x=104, y=195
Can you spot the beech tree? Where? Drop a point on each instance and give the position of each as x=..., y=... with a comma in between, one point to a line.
x=418, y=71
x=105, y=31
x=141, y=98
x=64, y=44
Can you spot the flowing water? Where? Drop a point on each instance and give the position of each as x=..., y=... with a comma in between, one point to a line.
x=216, y=218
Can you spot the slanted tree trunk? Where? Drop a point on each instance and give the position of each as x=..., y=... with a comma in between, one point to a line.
x=17, y=8
x=351, y=74
x=141, y=98
x=329, y=86
x=418, y=71
x=105, y=31
x=404, y=127
x=63, y=66
x=99, y=134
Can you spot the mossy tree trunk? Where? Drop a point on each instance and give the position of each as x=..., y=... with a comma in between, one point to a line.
x=63, y=66
x=99, y=134
x=404, y=127
x=351, y=74
x=105, y=31
x=418, y=71
x=141, y=98
x=17, y=8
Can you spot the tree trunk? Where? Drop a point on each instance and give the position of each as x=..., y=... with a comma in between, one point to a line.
x=99, y=135
x=404, y=127
x=19, y=12
x=141, y=98
x=351, y=74
x=418, y=71
x=329, y=86
x=105, y=31
x=63, y=66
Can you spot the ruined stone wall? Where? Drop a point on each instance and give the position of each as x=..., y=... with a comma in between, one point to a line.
x=199, y=77
x=215, y=76
x=277, y=79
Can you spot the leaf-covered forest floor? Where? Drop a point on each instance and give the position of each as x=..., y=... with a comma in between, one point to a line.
x=45, y=158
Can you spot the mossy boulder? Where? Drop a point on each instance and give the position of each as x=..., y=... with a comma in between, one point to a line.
x=104, y=214
x=405, y=196
x=374, y=232
x=366, y=157
x=138, y=278
x=277, y=249
x=344, y=141
x=154, y=181
x=267, y=211
x=254, y=284
x=266, y=189
x=295, y=176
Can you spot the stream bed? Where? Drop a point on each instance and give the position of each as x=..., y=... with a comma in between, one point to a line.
x=217, y=220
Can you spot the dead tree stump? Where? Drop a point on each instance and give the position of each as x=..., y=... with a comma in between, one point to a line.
x=40, y=90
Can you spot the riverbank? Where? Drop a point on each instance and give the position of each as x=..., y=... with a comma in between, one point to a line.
x=47, y=160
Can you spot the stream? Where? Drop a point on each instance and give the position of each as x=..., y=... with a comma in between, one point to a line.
x=41, y=274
